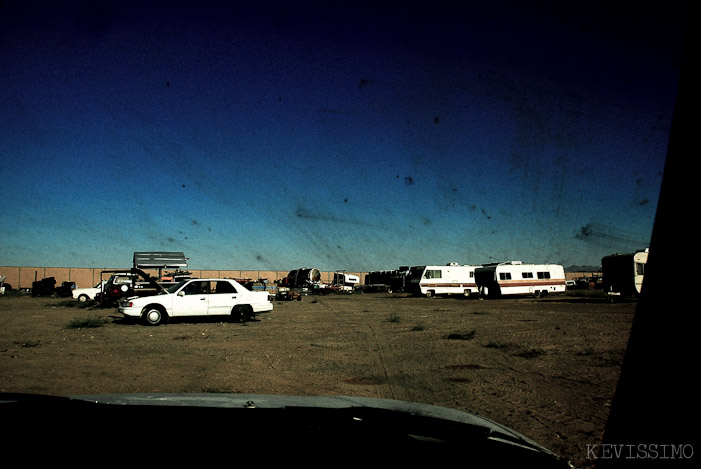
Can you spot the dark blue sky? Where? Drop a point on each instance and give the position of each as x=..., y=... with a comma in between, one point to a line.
x=337, y=135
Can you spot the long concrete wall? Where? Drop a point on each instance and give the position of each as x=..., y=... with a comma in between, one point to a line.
x=23, y=277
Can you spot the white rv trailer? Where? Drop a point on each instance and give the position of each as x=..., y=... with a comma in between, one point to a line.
x=623, y=273
x=450, y=279
x=517, y=278
x=345, y=281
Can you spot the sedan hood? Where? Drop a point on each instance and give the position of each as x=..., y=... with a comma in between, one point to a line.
x=355, y=426
x=151, y=281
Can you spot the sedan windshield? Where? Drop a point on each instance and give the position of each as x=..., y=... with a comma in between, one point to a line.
x=176, y=287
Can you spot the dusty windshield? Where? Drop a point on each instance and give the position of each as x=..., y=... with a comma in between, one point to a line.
x=265, y=138
x=176, y=287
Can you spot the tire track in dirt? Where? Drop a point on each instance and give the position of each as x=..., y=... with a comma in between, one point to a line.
x=379, y=383
x=381, y=363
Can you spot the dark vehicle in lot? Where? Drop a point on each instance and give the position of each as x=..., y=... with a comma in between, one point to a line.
x=66, y=289
x=387, y=280
x=47, y=287
x=44, y=287
x=287, y=294
x=127, y=283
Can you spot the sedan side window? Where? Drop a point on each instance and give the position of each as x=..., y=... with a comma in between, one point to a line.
x=196, y=288
x=224, y=287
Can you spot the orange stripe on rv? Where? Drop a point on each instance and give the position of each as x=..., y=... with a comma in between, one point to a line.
x=519, y=283
x=438, y=285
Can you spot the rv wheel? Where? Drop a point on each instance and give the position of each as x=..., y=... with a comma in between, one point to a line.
x=429, y=294
x=466, y=293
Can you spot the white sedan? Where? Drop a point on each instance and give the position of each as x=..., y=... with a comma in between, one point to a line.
x=87, y=294
x=197, y=297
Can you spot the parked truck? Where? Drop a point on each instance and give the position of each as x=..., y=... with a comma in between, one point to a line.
x=43, y=287
x=387, y=280
x=124, y=283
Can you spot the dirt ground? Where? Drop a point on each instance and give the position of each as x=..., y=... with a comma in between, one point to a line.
x=546, y=368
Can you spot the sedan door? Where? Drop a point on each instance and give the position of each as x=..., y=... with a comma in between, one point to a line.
x=223, y=297
x=192, y=299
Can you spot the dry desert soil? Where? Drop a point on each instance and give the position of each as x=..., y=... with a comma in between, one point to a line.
x=547, y=368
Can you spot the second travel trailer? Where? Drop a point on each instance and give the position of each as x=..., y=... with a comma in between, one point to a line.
x=450, y=279
x=623, y=273
x=517, y=278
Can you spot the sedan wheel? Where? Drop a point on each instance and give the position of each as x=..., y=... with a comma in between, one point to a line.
x=154, y=316
x=242, y=313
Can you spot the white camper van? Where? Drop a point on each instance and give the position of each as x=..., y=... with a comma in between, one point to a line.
x=517, y=278
x=450, y=279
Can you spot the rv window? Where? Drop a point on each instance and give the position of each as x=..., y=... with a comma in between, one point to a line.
x=543, y=274
x=527, y=274
x=504, y=275
x=433, y=274
x=640, y=269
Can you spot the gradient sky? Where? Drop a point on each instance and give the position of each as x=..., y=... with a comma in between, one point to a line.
x=353, y=136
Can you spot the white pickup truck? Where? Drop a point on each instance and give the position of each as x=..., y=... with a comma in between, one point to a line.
x=197, y=297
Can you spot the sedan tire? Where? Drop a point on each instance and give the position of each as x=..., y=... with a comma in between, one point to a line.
x=154, y=316
x=242, y=313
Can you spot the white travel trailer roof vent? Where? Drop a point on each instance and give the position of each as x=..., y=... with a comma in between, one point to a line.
x=452, y=263
x=516, y=262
